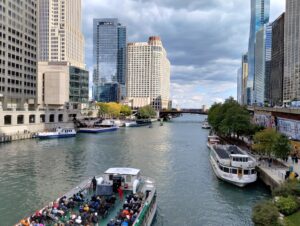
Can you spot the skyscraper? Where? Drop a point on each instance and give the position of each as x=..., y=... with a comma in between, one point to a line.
x=263, y=49
x=62, y=77
x=291, y=80
x=148, y=74
x=277, y=65
x=239, y=85
x=244, y=79
x=60, y=36
x=109, y=54
x=260, y=10
x=18, y=53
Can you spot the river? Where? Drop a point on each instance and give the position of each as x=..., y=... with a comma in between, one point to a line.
x=33, y=172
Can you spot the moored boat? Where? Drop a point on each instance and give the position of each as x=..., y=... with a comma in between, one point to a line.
x=206, y=125
x=58, y=133
x=212, y=140
x=100, y=202
x=139, y=123
x=98, y=129
x=233, y=165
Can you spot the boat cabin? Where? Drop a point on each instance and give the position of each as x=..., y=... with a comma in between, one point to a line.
x=242, y=161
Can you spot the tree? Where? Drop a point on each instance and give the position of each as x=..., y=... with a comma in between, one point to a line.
x=114, y=109
x=125, y=110
x=265, y=214
x=229, y=118
x=264, y=140
x=103, y=109
x=146, y=112
x=282, y=147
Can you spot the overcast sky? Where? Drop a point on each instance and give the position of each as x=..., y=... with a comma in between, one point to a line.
x=204, y=40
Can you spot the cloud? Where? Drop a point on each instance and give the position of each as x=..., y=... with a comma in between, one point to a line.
x=204, y=39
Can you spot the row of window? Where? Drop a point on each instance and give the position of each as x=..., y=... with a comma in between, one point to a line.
x=32, y=119
x=236, y=171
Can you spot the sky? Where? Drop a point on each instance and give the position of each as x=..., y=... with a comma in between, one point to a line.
x=204, y=39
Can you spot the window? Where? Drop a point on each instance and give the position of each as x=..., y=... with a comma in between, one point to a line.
x=42, y=118
x=31, y=118
x=7, y=120
x=233, y=171
x=246, y=172
x=20, y=119
x=128, y=178
x=226, y=170
x=60, y=117
x=51, y=118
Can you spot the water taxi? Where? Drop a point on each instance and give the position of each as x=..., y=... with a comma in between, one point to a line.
x=139, y=123
x=121, y=196
x=98, y=129
x=233, y=165
x=58, y=133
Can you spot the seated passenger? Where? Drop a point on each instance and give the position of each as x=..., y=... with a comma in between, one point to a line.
x=111, y=223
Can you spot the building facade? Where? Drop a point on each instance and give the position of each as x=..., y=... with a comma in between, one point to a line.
x=260, y=11
x=109, y=59
x=277, y=63
x=18, y=53
x=244, y=79
x=239, y=85
x=291, y=79
x=148, y=74
x=60, y=36
x=61, y=69
x=268, y=61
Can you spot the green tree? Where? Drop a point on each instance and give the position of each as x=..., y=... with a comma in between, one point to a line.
x=282, y=147
x=114, y=109
x=146, y=112
x=103, y=109
x=264, y=140
x=229, y=118
x=265, y=214
x=125, y=110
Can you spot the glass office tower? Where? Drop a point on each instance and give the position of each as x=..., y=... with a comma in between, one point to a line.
x=109, y=55
x=260, y=12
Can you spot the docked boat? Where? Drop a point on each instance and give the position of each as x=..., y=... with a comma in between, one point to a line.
x=58, y=133
x=101, y=198
x=98, y=129
x=233, y=165
x=212, y=140
x=206, y=125
x=139, y=123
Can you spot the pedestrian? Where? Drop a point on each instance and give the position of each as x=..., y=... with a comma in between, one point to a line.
x=94, y=183
x=120, y=191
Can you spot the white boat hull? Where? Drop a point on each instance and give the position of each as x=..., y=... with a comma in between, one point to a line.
x=231, y=178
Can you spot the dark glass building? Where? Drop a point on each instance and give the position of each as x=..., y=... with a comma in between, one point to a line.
x=277, y=63
x=79, y=85
x=109, y=53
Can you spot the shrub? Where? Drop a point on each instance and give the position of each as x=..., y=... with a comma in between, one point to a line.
x=265, y=214
x=287, y=205
x=291, y=187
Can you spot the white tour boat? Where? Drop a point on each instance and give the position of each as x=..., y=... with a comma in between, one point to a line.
x=233, y=165
x=206, y=125
x=58, y=133
x=137, y=207
x=212, y=140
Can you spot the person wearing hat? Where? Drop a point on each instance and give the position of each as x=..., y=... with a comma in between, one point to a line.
x=78, y=220
x=95, y=219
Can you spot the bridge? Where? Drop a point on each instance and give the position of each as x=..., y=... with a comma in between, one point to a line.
x=173, y=113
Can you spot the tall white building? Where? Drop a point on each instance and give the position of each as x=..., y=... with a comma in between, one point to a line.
x=291, y=79
x=60, y=36
x=148, y=74
x=61, y=69
x=18, y=53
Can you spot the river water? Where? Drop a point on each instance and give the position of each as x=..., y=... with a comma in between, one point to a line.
x=32, y=173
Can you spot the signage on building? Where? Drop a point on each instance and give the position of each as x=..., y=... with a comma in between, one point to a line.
x=290, y=128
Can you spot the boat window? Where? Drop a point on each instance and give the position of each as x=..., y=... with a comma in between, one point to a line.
x=253, y=171
x=233, y=171
x=128, y=178
x=226, y=170
x=111, y=177
x=246, y=172
x=221, y=167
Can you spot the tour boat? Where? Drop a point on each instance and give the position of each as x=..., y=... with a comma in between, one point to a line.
x=233, y=165
x=205, y=125
x=98, y=129
x=58, y=133
x=212, y=140
x=139, y=123
x=104, y=197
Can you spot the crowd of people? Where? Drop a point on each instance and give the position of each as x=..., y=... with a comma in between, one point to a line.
x=79, y=211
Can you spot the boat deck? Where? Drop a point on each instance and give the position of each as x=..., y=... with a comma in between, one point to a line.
x=224, y=153
x=103, y=221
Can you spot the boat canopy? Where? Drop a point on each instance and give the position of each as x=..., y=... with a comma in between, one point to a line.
x=239, y=155
x=123, y=171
